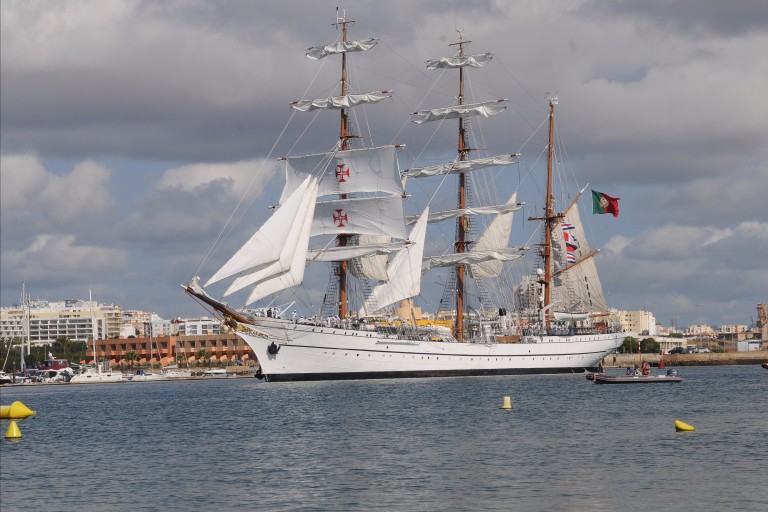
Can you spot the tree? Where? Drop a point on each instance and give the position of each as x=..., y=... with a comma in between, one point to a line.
x=202, y=355
x=629, y=346
x=649, y=346
x=131, y=356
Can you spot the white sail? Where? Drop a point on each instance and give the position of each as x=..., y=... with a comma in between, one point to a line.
x=474, y=61
x=496, y=235
x=349, y=252
x=461, y=166
x=365, y=216
x=475, y=210
x=266, y=245
x=371, y=266
x=403, y=272
x=296, y=242
x=576, y=287
x=318, y=52
x=485, y=109
x=467, y=258
x=294, y=275
x=347, y=172
x=339, y=102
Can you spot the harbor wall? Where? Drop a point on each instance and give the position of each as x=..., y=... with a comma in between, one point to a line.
x=709, y=359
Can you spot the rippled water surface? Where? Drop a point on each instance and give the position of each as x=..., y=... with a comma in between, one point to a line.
x=410, y=445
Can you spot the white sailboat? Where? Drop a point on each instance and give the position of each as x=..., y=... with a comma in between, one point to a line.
x=100, y=372
x=356, y=196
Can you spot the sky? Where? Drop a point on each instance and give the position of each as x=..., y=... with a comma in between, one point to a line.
x=131, y=129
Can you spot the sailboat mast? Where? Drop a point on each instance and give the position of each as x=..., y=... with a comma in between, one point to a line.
x=550, y=217
x=458, y=330
x=343, y=137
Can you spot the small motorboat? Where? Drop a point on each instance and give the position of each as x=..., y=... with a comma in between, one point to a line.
x=765, y=365
x=670, y=376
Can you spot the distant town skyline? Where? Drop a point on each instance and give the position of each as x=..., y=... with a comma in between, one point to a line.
x=129, y=130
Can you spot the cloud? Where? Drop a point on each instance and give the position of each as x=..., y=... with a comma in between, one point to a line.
x=55, y=260
x=35, y=199
x=245, y=178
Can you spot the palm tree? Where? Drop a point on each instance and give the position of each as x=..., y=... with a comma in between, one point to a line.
x=202, y=355
x=131, y=356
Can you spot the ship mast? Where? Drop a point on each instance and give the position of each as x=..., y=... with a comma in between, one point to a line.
x=344, y=139
x=550, y=218
x=458, y=329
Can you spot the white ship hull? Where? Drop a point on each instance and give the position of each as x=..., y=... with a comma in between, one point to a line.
x=308, y=352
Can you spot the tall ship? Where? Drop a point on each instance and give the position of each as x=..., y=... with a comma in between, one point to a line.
x=348, y=209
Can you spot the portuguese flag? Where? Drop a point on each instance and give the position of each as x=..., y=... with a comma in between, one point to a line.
x=603, y=203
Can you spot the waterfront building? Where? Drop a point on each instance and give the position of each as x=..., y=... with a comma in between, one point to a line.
x=198, y=326
x=641, y=322
x=733, y=329
x=222, y=349
x=77, y=320
x=699, y=331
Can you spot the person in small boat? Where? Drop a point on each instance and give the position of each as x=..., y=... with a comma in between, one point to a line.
x=600, y=368
x=646, y=368
x=630, y=371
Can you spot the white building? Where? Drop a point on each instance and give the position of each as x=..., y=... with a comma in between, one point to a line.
x=197, y=326
x=641, y=322
x=733, y=329
x=77, y=320
x=700, y=330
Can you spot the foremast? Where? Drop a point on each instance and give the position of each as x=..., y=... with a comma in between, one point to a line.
x=341, y=266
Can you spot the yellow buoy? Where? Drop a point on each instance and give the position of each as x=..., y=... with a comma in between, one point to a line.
x=15, y=411
x=506, y=403
x=13, y=431
x=683, y=427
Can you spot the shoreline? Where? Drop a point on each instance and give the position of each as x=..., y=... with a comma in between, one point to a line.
x=709, y=359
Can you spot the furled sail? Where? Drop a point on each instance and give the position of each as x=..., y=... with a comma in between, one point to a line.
x=347, y=172
x=475, y=210
x=469, y=258
x=318, y=52
x=474, y=61
x=349, y=252
x=371, y=266
x=266, y=246
x=485, y=109
x=296, y=244
x=496, y=235
x=403, y=272
x=366, y=216
x=339, y=102
x=576, y=286
x=460, y=166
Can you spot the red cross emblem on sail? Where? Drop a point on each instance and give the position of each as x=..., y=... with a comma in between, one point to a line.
x=341, y=172
x=339, y=218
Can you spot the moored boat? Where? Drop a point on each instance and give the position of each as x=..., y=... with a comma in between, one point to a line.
x=670, y=376
x=554, y=322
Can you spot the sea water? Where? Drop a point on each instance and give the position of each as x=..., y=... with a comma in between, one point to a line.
x=409, y=445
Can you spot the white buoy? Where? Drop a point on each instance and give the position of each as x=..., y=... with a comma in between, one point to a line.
x=506, y=403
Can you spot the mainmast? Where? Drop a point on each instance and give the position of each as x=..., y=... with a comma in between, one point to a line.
x=343, y=137
x=458, y=329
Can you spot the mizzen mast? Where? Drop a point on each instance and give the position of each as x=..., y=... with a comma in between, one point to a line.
x=551, y=217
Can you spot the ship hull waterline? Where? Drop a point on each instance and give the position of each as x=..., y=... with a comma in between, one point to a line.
x=299, y=352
